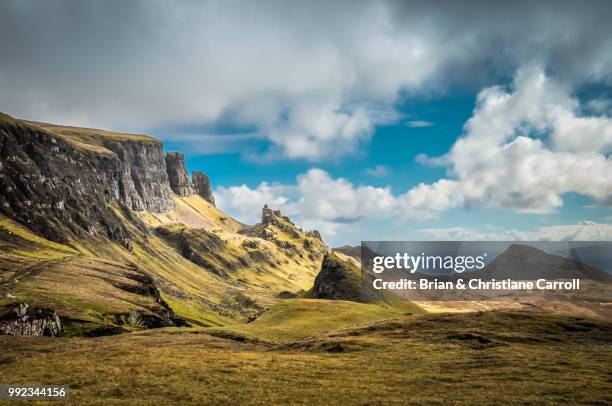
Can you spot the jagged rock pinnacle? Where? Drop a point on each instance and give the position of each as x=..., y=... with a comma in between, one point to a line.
x=203, y=186
x=177, y=174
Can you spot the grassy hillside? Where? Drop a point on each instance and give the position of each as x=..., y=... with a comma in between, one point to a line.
x=89, y=138
x=206, y=272
x=294, y=319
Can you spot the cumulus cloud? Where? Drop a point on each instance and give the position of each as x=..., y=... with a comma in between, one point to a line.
x=310, y=77
x=316, y=200
x=522, y=149
x=582, y=231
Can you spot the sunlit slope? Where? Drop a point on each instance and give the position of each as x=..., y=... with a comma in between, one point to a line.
x=89, y=138
x=294, y=319
x=84, y=289
x=212, y=275
x=195, y=212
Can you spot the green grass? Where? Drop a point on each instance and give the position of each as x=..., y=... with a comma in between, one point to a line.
x=424, y=359
x=293, y=319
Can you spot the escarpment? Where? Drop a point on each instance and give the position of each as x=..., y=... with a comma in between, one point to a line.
x=59, y=181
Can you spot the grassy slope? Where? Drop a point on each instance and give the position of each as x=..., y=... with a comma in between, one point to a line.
x=523, y=359
x=80, y=287
x=293, y=319
x=90, y=138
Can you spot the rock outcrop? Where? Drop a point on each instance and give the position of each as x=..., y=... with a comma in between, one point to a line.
x=60, y=187
x=341, y=278
x=143, y=180
x=338, y=280
x=177, y=174
x=23, y=320
x=203, y=186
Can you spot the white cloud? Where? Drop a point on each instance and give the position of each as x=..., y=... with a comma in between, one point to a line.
x=311, y=77
x=377, y=171
x=315, y=201
x=522, y=149
x=583, y=231
x=419, y=124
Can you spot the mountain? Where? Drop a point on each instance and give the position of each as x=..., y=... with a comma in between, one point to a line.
x=523, y=262
x=111, y=234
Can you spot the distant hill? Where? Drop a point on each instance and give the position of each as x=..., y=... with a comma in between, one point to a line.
x=350, y=251
x=524, y=262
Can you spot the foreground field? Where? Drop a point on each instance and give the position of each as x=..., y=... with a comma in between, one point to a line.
x=474, y=358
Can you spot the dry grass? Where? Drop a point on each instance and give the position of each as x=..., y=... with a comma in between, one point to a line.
x=526, y=359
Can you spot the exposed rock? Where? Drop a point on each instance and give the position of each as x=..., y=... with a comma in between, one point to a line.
x=59, y=189
x=341, y=279
x=314, y=234
x=338, y=280
x=250, y=244
x=203, y=186
x=268, y=234
x=23, y=320
x=177, y=174
x=143, y=182
x=284, y=244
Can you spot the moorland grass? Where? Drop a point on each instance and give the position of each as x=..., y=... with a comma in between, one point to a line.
x=494, y=358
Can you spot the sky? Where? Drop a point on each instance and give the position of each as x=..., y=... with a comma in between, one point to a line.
x=367, y=120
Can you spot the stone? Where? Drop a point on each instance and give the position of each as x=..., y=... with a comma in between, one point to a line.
x=22, y=320
x=203, y=186
x=177, y=174
x=62, y=191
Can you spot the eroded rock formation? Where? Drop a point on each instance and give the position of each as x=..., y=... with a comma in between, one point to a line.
x=177, y=174
x=203, y=186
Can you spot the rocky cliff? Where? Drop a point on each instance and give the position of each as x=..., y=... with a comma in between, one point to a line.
x=203, y=186
x=177, y=174
x=59, y=180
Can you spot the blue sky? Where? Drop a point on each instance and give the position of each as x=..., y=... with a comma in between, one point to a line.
x=426, y=125
x=400, y=119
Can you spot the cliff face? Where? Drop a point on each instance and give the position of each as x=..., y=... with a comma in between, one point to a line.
x=143, y=179
x=177, y=174
x=203, y=186
x=61, y=189
x=59, y=180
